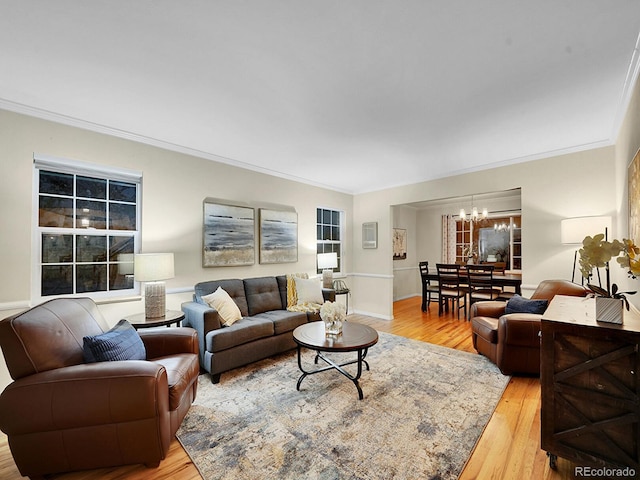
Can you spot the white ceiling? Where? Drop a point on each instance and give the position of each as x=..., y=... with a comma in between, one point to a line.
x=356, y=95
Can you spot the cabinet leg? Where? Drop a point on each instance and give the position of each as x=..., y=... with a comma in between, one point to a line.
x=553, y=461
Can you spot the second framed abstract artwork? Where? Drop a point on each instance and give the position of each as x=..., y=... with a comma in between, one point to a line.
x=278, y=236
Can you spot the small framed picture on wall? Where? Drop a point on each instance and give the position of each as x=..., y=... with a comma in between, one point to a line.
x=399, y=244
x=370, y=235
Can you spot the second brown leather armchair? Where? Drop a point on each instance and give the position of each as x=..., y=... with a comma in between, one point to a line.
x=512, y=340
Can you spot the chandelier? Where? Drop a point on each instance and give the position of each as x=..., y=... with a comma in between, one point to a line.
x=474, y=213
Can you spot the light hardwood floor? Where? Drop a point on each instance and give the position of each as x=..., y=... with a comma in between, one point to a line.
x=508, y=449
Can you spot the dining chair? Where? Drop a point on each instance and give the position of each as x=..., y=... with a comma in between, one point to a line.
x=429, y=291
x=449, y=288
x=480, y=284
x=499, y=269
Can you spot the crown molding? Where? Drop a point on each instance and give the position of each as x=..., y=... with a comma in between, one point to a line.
x=627, y=89
x=134, y=137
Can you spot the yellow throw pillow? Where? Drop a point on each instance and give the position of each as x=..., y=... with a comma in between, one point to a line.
x=292, y=294
x=224, y=304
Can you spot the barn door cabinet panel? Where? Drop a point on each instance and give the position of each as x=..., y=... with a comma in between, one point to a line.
x=590, y=388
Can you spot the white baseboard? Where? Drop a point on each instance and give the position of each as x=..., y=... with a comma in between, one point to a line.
x=404, y=297
x=369, y=314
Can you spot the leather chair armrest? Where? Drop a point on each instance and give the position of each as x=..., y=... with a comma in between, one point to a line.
x=520, y=329
x=329, y=294
x=82, y=395
x=169, y=341
x=492, y=308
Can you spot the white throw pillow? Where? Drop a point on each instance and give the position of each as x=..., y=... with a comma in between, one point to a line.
x=224, y=304
x=309, y=291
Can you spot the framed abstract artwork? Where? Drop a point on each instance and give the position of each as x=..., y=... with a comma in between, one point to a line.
x=278, y=236
x=634, y=198
x=229, y=235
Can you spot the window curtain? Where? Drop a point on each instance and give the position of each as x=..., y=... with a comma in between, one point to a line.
x=448, y=239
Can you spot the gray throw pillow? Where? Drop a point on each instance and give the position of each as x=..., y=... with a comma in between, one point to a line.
x=518, y=304
x=122, y=342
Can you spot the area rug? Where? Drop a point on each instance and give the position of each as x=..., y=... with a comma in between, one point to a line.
x=424, y=408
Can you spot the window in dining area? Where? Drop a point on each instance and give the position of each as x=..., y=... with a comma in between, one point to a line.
x=492, y=240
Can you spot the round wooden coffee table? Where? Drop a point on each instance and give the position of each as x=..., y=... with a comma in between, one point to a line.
x=355, y=337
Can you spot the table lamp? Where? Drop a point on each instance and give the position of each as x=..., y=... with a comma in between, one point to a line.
x=327, y=262
x=153, y=269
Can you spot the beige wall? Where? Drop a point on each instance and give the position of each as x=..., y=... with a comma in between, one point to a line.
x=174, y=187
x=554, y=188
x=591, y=182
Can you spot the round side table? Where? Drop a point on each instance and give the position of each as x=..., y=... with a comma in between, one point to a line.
x=138, y=320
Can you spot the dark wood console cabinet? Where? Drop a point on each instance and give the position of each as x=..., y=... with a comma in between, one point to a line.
x=590, y=386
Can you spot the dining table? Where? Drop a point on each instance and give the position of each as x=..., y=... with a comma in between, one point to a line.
x=499, y=279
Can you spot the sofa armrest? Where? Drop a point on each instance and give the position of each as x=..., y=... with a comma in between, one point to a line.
x=329, y=294
x=169, y=341
x=104, y=393
x=202, y=318
x=493, y=308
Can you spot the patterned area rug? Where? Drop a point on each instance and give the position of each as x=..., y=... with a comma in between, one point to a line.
x=424, y=408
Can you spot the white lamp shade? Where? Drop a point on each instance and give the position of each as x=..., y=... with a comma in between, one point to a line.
x=125, y=263
x=573, y=230
x=327, y=260
x=152, y=267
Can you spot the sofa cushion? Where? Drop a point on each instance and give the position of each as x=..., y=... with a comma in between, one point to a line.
x=262, y=295
x=283, y=320
x=122, y=342
x=234, y=287
x=518, y=304
x=243, y=331
x=224, y=304
x=309, y=291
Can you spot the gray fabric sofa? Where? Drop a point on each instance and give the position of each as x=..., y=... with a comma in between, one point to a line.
x=266, y=327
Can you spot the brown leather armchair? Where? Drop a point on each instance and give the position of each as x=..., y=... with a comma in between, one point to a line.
x=512, y=341
x=61, y=414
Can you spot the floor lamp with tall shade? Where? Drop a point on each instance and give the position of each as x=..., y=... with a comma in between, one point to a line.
x=574, y=230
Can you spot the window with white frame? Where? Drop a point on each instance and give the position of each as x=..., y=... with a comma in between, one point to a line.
x=87, y=227
x=329, y=234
